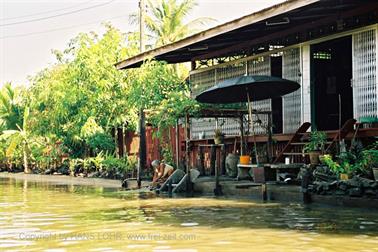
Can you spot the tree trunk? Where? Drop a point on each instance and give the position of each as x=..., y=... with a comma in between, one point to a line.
x=26, y=165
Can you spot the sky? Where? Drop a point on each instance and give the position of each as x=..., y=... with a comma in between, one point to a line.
x=31, y=29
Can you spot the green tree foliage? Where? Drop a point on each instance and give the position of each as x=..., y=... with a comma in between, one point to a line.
x=83, y=84
x=152, y=83
x=76, y=102
x=20, y=138
x=166, y=23
x=96, y=138
x=11, y=107
x=165, y=20
x=157, y=88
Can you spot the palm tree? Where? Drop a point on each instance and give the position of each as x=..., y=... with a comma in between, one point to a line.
x=10, y=111
x=165, y=20
x=20, y=137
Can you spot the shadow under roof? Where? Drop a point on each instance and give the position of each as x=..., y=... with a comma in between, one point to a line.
x=291, y=22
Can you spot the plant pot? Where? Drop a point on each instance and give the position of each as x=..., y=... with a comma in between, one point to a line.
x=314, y=157
x=375, y=172
x=245, y=160
x=344, y=176
x=232, y=165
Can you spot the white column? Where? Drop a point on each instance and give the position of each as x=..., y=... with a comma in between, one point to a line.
x=306, y=83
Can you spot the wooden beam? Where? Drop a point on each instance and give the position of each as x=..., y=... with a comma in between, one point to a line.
x=267, y=38
x=362, y=133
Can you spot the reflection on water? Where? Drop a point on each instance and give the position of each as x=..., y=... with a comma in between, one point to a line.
x=46, y=217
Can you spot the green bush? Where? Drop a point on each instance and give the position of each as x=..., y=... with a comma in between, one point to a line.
x=114, y=167
x=101, y=142
x=76, y=165
x=106, y=166
x=368, y=162
x=354, y=163
x=167, y=154
x=333, y=165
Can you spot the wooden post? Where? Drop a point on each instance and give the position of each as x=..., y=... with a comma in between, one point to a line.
x=142, y=147
x=142, y=129
x=201, y=160
x=306, y=180
x=264, y=194
x=270, y=139
x=170, y=188
x=177, y=144
x=241, y=134
x=212, y=159
x=187, y=154
x=120, y=142
x=218, y=188
x=223, y=159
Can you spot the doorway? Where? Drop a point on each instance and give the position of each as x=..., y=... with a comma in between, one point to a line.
x=331, y=90
x=276, y=70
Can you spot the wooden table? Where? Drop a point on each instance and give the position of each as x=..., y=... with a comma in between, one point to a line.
x=245, y=171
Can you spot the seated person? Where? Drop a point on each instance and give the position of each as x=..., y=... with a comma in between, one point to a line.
x=161, y=172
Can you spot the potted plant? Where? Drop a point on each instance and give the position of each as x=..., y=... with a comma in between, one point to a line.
x=315, y=147
x=370, y=161
x=339, y=169
x=218, y=136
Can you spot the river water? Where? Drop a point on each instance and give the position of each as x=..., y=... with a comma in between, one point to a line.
x=47, y=217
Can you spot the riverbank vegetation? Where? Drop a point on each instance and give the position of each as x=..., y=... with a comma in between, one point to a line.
x=65, y=120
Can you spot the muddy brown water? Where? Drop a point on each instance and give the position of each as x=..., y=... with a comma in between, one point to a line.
x=37, y=216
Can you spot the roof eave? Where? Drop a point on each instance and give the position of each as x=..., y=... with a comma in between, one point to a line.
x=224, y=28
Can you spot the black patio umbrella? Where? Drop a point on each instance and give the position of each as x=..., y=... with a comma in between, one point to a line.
x=257, y=87
x=246, y=89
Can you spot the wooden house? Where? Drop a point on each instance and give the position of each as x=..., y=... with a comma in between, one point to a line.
x=328, y=46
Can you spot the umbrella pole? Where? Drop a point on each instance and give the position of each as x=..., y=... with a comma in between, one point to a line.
x=253, y=128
